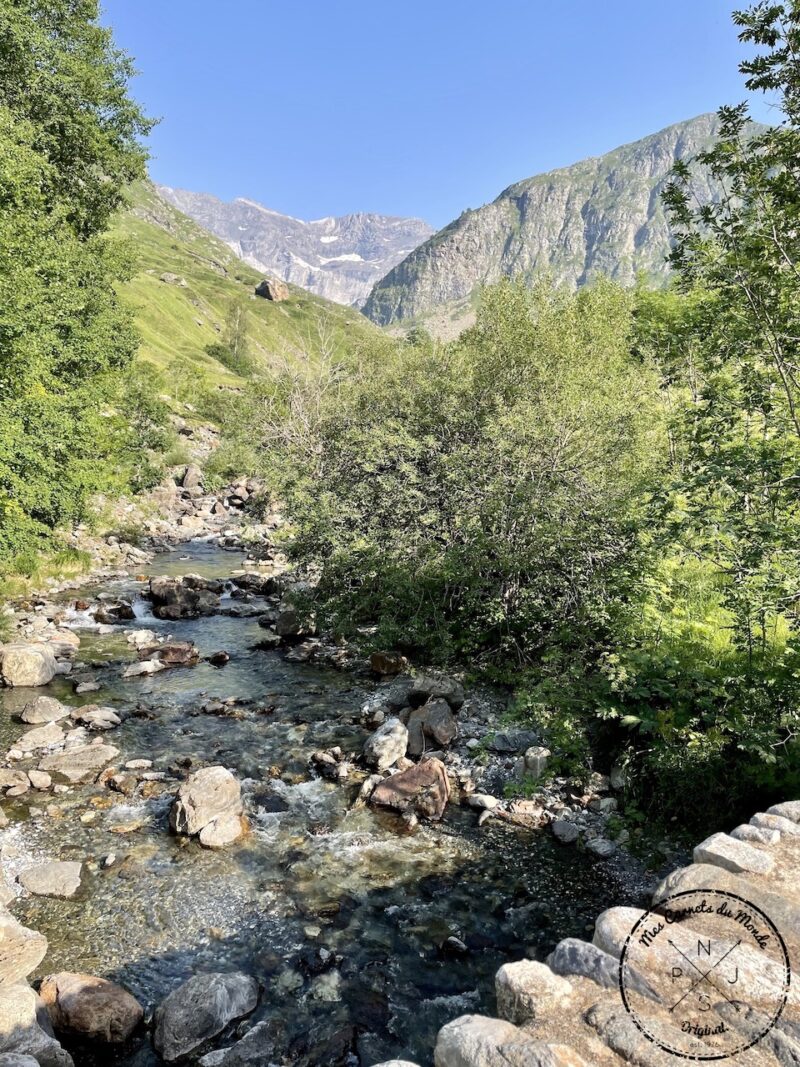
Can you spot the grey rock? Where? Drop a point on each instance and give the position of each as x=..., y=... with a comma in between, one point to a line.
x=601, y=847
x=535, y=761
x=58, y=878
x=564, y=831
x=26, y=664
x=513, y=740
x=433, y=686
x=732, y=855
x=770, y=821
x=26, y=1029
x=584, y=960
x=789, y=809
x=79, y=764
x=199, y=1009
x=757, y=834
x=431, y=727
x=478, y=1041
x=44, y=709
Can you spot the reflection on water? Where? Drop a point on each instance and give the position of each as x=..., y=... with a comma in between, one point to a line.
x=311, y=875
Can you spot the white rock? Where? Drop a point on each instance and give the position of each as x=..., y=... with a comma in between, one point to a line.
x=387, y=745
x=732, y=855
x=528, y=990
x=760, y=835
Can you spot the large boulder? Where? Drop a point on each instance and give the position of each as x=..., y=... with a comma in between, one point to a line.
x=430, y=727
x=27, y=664
x=21, y=950
x=25, y=1028
x=387, y=745
x=208, y=794
x=58, y=878
x=80, y=764
x=90, y=1007
x=477, y=1041
x=434, y=686
x=183, y=598
x=272, y=289
x=44, y=709
x=528, y=990
x=422, y=789
x=199, y=1009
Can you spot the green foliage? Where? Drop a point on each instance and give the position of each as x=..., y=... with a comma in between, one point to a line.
x=477, y=499
x=73, y=417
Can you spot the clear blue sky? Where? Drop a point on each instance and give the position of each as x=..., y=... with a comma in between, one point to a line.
x=419, y=107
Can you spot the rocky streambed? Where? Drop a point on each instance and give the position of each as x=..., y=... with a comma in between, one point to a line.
x=357, y=929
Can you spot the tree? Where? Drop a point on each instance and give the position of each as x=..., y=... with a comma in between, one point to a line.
x=736, y=494
x=67, y=149
x=477, y=500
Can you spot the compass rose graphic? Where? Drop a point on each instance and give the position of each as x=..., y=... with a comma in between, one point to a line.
x=705, y=974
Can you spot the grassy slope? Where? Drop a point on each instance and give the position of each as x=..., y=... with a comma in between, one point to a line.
x=177, y=321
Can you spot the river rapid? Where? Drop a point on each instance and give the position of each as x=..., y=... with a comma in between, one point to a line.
x=341, y=913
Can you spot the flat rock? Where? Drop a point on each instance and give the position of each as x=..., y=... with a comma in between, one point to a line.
x=79, y=764
x=96, y=717
x=90, y=1007
x=528, y=990
x=199, y=1009
x=422, y=789
x=44, y=709
x=27, y=664
x=21, y=950
x=206, y=795
x=223, y=831
x=58, y=878
x=725, y=851
x=40, y=737
x=143, y=669
x=433, y=686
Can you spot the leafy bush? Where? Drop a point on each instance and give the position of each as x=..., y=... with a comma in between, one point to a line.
x=478, y=500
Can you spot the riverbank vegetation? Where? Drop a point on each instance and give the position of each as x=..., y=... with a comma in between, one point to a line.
x=591, y=497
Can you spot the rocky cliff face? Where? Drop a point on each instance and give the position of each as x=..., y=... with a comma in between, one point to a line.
x=338, y=258
x=603, y=215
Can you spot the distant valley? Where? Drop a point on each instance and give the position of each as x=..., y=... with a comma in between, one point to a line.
x=337, y=258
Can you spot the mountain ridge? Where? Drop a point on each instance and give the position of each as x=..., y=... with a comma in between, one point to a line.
x=602, y=214
x=336, y=257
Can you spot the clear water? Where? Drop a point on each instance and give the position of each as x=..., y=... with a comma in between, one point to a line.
x=313, y=874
